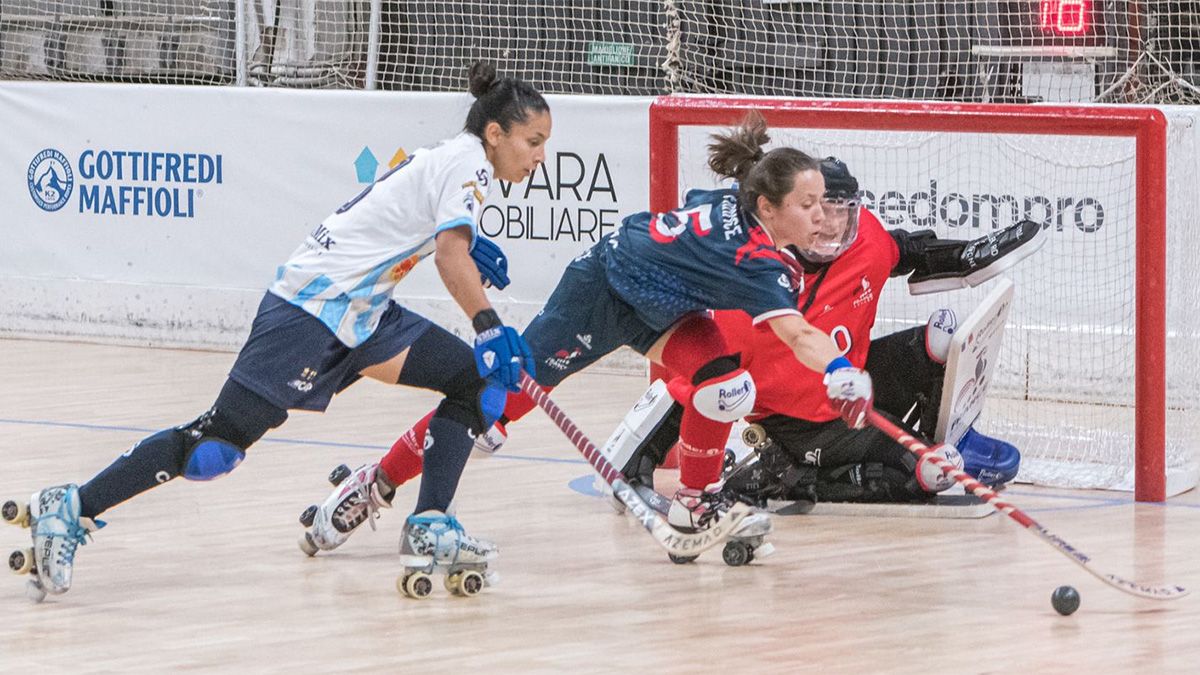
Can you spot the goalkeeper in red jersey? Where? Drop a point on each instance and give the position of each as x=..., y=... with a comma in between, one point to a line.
x=812, y=454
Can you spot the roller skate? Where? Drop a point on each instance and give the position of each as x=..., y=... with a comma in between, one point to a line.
x=53, y=517
x=693, y=510
x=356, y=499
x=435, y=542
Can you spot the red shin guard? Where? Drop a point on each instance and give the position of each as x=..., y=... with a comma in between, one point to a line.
x=693, y=345
x=406, y=458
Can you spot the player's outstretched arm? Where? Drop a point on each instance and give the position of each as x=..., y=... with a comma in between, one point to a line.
x=848, y=387
x=811, y=347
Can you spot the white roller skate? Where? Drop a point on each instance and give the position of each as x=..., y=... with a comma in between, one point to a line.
x=693, y=510
x=435, y=542
x=355, y=499
x=53, y=516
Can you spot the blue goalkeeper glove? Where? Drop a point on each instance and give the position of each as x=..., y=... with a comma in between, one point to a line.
x=491, y=261
x=500, y=351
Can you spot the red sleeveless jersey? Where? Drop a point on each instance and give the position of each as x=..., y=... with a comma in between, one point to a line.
x=840, y=300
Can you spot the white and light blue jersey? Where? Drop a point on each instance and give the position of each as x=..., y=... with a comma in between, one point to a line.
x=345, y=270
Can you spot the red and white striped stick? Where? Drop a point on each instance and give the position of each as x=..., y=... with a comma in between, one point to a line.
x=985, y=493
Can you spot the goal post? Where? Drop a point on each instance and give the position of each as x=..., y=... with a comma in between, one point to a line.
x=850, y=127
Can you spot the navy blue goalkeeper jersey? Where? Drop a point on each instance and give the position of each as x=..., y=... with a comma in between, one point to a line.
x=707, y=255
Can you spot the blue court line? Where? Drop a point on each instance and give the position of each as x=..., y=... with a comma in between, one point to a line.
x=285, y=441
x=1093, y=502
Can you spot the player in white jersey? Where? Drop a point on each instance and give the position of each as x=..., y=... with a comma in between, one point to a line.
x=329, y=319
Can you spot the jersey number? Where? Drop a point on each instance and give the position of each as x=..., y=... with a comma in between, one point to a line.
x=664, y=232
x=841, y=339
x=358, y=198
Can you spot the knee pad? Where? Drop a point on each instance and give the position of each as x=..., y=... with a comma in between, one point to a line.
x=938, y=333
x=207, y=455
x=215, y=443
x=930, y=476
x=210, y=458
x=491, y=404
x=725, y=398
x=472, y=401
x=469, y=411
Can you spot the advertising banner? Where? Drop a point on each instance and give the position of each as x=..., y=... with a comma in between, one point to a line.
x=157, y=214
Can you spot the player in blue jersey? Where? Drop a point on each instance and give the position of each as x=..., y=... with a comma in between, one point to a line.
x=329, y=319
x=647, y=286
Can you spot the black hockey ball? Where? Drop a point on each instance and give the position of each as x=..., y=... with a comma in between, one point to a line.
x=1065, y=600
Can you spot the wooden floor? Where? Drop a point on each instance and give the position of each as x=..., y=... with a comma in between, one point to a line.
x=208, y=576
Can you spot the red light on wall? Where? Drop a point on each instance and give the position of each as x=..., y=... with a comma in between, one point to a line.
x=1065, y=17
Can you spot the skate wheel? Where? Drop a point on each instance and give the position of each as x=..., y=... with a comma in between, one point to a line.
x=416, y=585
x=15, y=513
x=340, y=473
x=470, y=583
x=737, y=553
x=451, y=582
x=681, y=559
x=307, y=545
x=754, y=436
x=34, y=591
x=309, y=515
x=21, y=561
x=764, y=550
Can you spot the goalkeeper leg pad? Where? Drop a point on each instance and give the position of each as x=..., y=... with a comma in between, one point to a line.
x=949, y=265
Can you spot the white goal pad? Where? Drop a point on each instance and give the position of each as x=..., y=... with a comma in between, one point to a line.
x=974, y=349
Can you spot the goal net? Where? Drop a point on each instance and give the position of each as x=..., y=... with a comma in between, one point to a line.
x=1022, y=50
x=1099, y=375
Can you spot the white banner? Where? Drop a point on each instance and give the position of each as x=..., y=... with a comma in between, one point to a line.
x=158, y=214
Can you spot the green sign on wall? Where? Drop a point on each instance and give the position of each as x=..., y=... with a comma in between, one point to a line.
x=609, y=54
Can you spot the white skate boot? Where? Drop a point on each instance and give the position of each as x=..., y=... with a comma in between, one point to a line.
x=355, y=499
x=693, y=510
x=435, y=542
x=57, y=529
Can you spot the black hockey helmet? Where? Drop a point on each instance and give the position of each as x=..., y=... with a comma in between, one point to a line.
x=841, y=205
x=839, y=183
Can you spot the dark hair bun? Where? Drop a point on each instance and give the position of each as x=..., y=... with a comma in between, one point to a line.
x=480, y=78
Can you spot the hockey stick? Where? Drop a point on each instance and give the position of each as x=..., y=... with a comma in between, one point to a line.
x=679, y=544
x=985, y=493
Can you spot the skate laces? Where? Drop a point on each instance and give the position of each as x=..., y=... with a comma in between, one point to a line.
x=364, y=502
x=78, y=533
x=441, y=526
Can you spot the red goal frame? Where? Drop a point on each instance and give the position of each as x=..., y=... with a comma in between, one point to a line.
x=1147, y=126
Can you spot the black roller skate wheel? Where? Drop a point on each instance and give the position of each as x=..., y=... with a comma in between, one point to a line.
x=416, y=585
x=681, y=559
x=10, y=511
x=737, y=553
x=309, y=515
x=21, y=561
x=471, y=583
x=340, y=473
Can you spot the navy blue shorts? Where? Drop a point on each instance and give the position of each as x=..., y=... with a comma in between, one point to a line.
x=295, y=362
x=583, y=321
